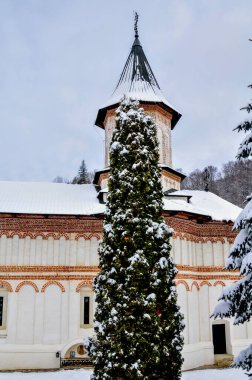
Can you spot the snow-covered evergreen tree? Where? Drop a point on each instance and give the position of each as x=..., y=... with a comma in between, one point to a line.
x=138, y=324
x=82, y=176
x=236, y=300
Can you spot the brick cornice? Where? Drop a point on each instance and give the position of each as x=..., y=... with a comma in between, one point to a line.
x=88, y=227
x=223, y=276
x=56, y=225
x=95, y=269
x=58, y=277
x=90, y=278
x=75, y=228
x=191, y=230
x=202, y=268
x=68, y=273
x=46, y=268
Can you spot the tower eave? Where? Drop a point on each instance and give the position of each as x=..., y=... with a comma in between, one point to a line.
x=99, y=122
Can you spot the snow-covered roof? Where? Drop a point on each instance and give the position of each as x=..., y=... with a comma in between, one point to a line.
x=137, y=90
x=49, y=198
x=210, y=204
x=66, y=199
x=137, y=81
x=181, y=204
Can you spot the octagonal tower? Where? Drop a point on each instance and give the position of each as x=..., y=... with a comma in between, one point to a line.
x=137, y=81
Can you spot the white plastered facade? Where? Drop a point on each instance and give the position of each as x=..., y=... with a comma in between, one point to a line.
x=44, y=317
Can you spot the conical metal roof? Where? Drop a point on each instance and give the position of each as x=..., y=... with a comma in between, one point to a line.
x=137, y=79
x=138, y=82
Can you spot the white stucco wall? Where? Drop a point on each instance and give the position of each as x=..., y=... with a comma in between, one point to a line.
x=39, y=251
x=40, y=323
x=185, y=252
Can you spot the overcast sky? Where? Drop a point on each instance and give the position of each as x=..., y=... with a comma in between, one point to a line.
x=61, y=60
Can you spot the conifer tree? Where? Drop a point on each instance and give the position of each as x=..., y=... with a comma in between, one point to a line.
x=138, y=324
x=236, y=300
x=82, y=176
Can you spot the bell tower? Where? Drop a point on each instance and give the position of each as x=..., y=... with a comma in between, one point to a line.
x=138, y=82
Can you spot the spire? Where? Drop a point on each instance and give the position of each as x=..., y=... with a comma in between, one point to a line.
x=137, y=78
x=136, y=26
x=137, y=81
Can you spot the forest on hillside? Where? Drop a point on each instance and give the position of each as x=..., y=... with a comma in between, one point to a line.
x=233, y=182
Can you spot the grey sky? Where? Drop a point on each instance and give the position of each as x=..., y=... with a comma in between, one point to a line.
x=61, y=59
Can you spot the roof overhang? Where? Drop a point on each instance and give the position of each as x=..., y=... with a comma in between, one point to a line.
x=168, y=169
x=97, y=175
x=103, y=111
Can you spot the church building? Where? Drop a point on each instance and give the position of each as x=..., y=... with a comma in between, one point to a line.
x=49, y=234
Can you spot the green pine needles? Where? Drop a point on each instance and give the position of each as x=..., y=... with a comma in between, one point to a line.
x=138, y=324
x=236, y=299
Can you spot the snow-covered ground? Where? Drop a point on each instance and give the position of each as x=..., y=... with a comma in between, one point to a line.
x=214, y=374
x=81, y=374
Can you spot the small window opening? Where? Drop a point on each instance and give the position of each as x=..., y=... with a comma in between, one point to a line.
x=86, y=310
x=1, y=311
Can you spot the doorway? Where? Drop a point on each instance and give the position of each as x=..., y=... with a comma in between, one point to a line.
x=219, y=339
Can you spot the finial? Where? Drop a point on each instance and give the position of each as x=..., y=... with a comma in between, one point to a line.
x=136, y=26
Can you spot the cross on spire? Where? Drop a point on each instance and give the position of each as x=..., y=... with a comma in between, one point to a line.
x=135, y=25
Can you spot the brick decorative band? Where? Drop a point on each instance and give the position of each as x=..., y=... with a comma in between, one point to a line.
x=94, y=268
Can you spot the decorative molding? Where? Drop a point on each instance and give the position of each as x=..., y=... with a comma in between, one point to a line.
x=52, y=282
x=46, y=236
x=198, y=239
x=6, y=285
x=219, y=283
x=191, y=276
x=202, y=268
x=195, y=284
x=39, y=225
x=86, y=282
x=88, y=236
x=71, y=227
x=205, y=283
x=95, y=268
x=47, y=268
x=57, y=277
x=30, y=283
x=189, y=229
x=182, y=282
